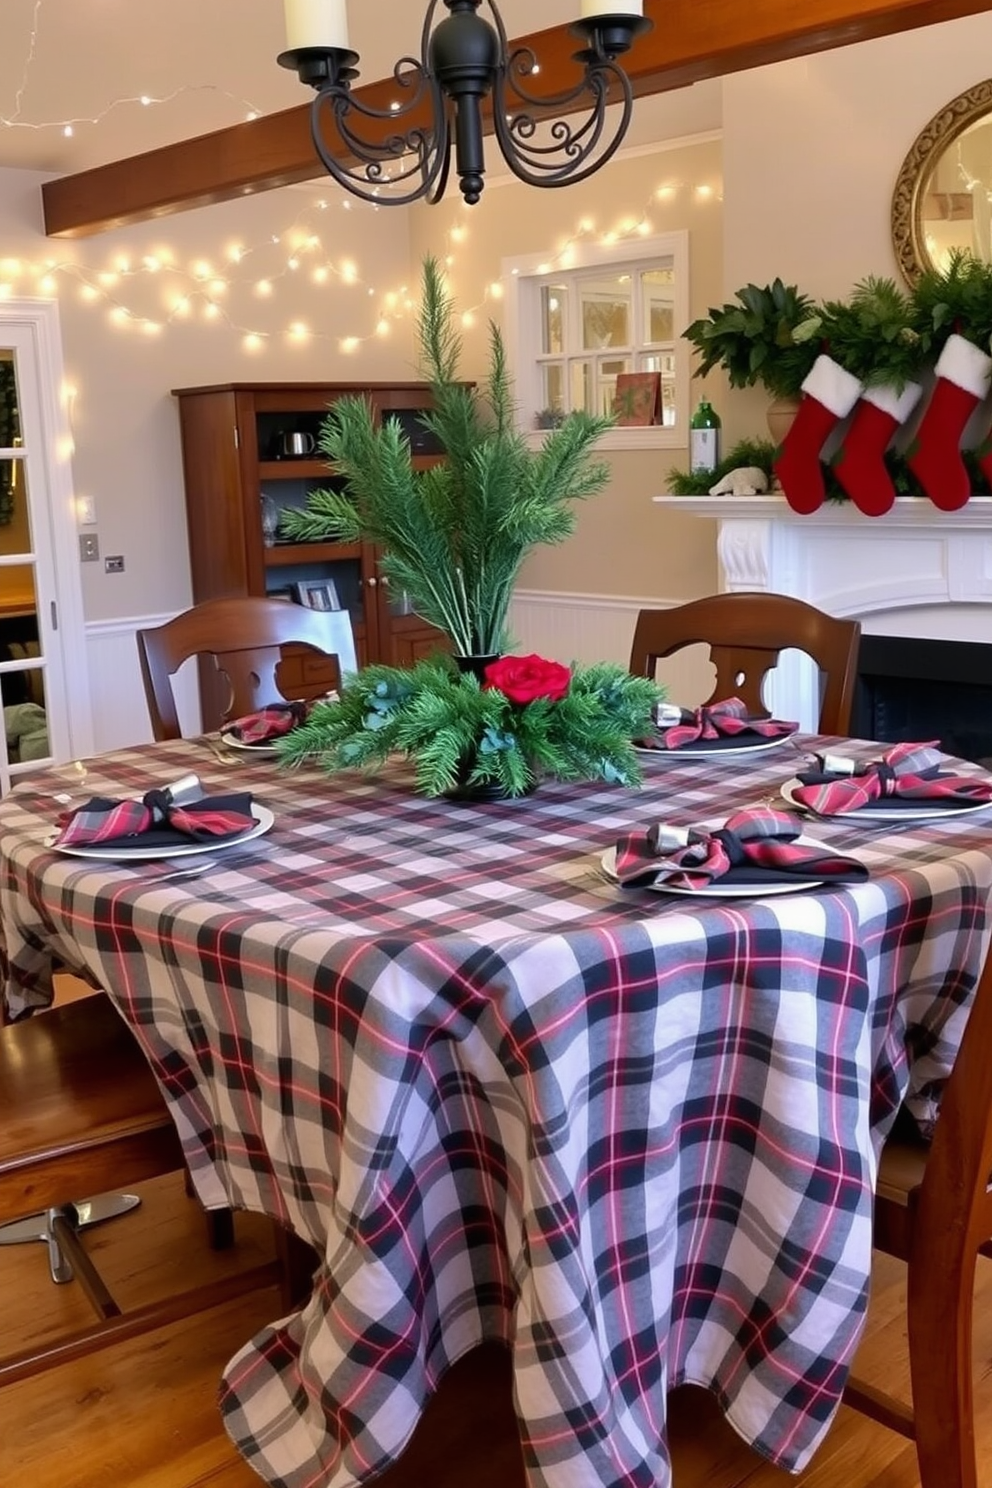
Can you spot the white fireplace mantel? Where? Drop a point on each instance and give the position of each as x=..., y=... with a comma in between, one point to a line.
x=916, y=571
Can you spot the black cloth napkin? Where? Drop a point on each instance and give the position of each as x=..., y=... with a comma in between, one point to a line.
x=716, y=726
x=757, y=846
x=155, y=821
x=906, y=775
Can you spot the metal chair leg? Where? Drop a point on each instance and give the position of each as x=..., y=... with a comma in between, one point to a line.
x=81, y=1215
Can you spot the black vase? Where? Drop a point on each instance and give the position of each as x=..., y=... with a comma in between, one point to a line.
x=475, y=666
x=479, y=791
x=464, y=789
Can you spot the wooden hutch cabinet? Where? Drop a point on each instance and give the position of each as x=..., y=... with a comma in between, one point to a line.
x=239, y=462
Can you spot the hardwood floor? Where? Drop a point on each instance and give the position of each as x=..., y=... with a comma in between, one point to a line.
x=143, y=1415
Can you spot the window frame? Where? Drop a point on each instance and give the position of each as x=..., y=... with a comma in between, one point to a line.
x=523, y=278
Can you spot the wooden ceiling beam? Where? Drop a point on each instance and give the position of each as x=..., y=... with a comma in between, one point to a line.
x=691, y=40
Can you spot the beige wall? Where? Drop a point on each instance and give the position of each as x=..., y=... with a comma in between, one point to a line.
x=622, y=544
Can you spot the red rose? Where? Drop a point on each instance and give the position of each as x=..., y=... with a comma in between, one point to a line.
x=524, y=679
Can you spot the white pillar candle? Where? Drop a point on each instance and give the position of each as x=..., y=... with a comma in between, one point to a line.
x=595, y=9
x=322, y=23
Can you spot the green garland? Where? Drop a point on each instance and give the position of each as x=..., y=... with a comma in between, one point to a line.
x=447, y=723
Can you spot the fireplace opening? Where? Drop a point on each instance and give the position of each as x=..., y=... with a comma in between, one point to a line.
x=909, y=688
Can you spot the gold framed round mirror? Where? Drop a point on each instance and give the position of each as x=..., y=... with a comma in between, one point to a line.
x=943, y=194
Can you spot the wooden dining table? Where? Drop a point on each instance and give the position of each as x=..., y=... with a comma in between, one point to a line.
x=630, y=1136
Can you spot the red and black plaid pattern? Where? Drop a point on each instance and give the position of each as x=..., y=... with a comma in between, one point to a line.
x=907, y=772
x=270, y=722
x=756, y=845
x=725, y=720
x=632, y=1138
x=125, y=823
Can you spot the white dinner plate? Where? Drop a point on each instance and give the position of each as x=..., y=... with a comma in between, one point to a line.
x=716, y=890
x=263, y=821
x=264, y=750
x=708, y=751
x=899, y=811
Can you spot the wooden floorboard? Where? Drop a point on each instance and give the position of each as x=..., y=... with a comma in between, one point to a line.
x=144, y=1415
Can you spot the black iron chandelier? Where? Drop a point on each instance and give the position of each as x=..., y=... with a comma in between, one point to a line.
x=464, y=60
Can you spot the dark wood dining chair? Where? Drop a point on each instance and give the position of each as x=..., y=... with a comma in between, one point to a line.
x=933, y=1209
x=80, y=1111
x=246, y=638
x=746, y=632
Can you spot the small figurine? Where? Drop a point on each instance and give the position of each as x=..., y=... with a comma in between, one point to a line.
x=749, y=480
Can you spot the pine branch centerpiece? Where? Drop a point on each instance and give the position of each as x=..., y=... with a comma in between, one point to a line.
x=453, y=538
x=526, y=718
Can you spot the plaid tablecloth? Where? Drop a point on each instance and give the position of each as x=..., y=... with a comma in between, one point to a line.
x=631, y=1136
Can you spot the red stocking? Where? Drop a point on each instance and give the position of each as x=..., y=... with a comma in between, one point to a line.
x=858, y=464
x=963, y=371
x=829, y=395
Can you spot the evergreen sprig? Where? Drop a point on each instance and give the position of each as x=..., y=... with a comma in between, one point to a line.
x=877, y=334
x=454, y=536
x=445, y=721
x=957, y=298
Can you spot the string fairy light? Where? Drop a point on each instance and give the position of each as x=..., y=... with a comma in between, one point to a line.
x=208, y=289
x=67, y=127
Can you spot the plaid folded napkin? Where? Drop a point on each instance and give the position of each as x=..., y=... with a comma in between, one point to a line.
x=754, y=846
x=721, y=724
x=270, y=722
x=904, y=774
x=155, y=821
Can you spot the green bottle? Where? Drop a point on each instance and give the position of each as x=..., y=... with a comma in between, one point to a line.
x=704, y=439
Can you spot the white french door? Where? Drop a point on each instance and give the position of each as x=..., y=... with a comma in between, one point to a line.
x=44, y=687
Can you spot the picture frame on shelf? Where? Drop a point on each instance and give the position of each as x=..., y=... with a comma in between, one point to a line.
x=637, y=400
x=318, y=594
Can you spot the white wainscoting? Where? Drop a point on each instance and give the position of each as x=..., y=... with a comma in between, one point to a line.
x=120, y=717
x=600, y=627
x=566, y=627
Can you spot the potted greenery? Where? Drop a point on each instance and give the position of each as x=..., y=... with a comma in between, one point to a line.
x=454, y=538
x=768, y=334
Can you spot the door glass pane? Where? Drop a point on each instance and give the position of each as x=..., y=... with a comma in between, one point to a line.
x=658, y=301
x=14, y=526
x=554, y=304
x=25, y=718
